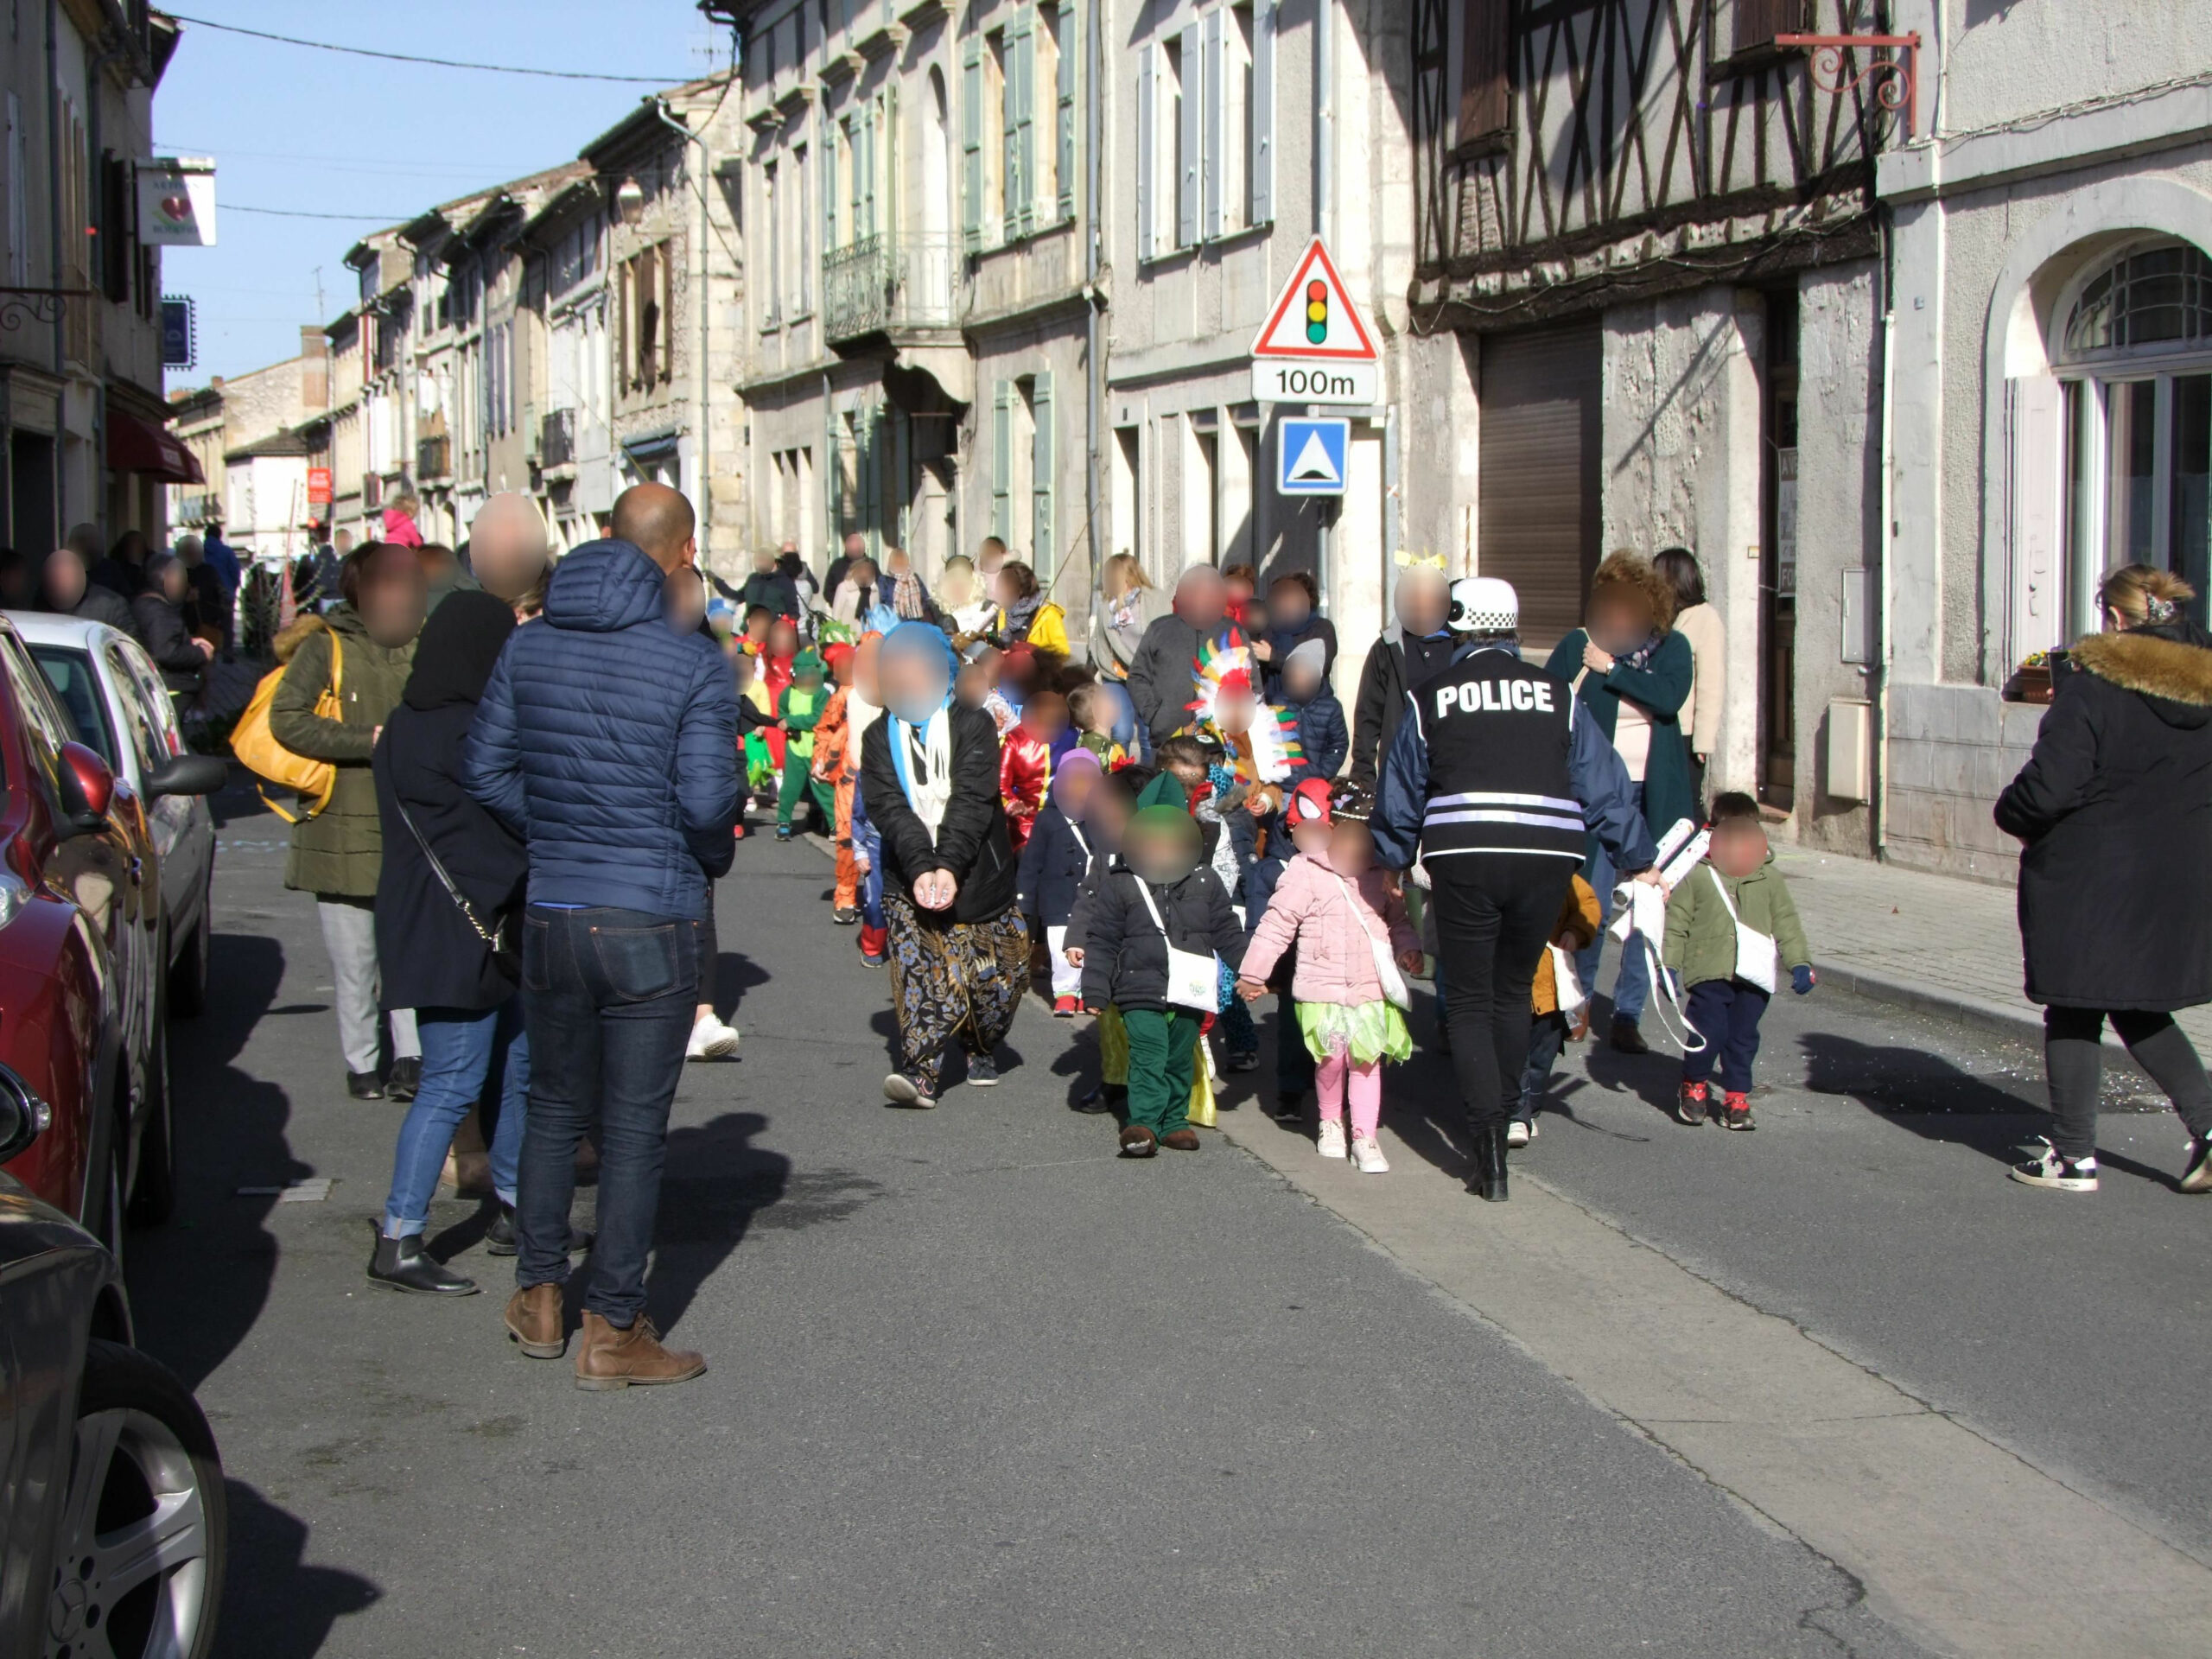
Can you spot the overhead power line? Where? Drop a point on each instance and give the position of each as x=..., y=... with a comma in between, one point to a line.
x=439, y=63
x=297, y=212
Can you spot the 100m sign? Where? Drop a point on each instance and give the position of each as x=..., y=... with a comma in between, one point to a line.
x=1278, y=381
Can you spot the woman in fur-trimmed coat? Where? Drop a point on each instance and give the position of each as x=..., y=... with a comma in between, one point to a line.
x=2113, y=810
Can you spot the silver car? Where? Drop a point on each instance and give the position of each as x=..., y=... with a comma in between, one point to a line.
x=111, y=687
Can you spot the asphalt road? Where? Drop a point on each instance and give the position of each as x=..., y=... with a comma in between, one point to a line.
x=978, y=1386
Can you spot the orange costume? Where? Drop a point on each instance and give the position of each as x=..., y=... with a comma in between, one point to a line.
x=1025, y=773
x=835, y=767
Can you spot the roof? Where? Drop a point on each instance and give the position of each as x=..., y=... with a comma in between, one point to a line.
x=45, y=628
x=626, y=136
x=285, y=443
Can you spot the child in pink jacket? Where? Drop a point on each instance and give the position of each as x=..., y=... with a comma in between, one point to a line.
x=1354, y=946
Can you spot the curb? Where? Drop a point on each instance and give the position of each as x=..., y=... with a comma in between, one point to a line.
x=1995, y=1018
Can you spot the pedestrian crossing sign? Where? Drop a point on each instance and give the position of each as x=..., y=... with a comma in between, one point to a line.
x=1313, y=317
x=1309, y=452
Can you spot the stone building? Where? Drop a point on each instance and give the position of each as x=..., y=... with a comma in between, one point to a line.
x=566, y=296
x=81, y=409
x=255, y=435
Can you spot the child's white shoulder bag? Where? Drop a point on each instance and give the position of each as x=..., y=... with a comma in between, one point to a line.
x=1193, y=981
x=1755, y=955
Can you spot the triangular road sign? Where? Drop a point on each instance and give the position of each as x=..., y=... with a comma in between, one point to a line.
x=1313, y=317
x=1314, y=464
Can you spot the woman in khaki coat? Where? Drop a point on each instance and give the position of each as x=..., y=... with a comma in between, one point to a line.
x=338, y=854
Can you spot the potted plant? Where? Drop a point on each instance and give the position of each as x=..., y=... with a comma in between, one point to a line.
x=2032, y=679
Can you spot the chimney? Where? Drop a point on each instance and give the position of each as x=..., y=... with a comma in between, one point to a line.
x=314, y=368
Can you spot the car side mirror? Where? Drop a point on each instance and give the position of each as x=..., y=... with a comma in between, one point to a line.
x=87, y=789
x=187, y=774
x=23, y=1115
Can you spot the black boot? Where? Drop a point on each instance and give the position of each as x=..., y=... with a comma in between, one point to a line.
x=404, y=1078
x=500, y=1238
x=404, y=1264
x=1488, y=1181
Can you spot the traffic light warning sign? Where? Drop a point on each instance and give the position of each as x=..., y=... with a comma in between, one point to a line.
x=1313, y=317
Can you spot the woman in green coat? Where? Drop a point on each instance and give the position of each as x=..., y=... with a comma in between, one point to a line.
x=364, y=648
x=1633, y=673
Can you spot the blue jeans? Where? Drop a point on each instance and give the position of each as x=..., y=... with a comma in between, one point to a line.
x=609, y=997
x=458, y=1048
x=1128, y=731
x=1632, y=985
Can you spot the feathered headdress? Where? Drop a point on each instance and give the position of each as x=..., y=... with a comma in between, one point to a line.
x=1269, y=751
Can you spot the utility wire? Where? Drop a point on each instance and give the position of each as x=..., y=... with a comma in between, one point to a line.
x=295, y=213
x=402, y=57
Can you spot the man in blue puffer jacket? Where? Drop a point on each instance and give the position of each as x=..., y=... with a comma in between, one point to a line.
x=609, y=739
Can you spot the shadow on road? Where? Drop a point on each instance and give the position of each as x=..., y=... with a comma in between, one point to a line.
x=275, y=1605
x=717, y=1183
x=193, y=1306
x=735, y=975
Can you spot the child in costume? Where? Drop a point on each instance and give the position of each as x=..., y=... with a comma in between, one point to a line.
x=756, y=720
x=800, y=711
x=1091, y=711
x=1355, y=946
x=1053, y=863
x=1732, y=925
x=1579, y=918
x=827, y=766
x=1323, y=739
x=1159, y=926
x=1025, y=762
x=1106, y=816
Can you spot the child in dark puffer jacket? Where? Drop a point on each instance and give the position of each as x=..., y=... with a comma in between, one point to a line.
x=1155, y=907
x=1053, y=862
x=1321, y=731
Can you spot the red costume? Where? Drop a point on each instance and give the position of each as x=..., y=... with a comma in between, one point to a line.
x=1025, y=772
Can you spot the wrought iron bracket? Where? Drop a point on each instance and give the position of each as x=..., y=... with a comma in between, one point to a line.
x=41, y=305
x=1893, y=80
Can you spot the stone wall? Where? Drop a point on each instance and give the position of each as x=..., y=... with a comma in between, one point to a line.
x=1952, y=750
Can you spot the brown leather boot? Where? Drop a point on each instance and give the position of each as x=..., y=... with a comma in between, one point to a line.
x=1180, y=1141
x=534, y=1321
x=609, y=1358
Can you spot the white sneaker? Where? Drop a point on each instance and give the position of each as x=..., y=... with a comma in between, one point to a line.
x=1519, y=1134
x=1368, y=1156
x=711, y=1039
x=1332, y=1144
x=2050, y=1168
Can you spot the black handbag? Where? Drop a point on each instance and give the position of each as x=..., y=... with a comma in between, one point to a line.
x=505, y=957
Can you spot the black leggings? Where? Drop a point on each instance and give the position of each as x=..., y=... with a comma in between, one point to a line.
x=1495, y=912
x=2073, y=1059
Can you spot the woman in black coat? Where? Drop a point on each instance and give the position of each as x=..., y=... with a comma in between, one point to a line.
x=2114, y=812
x=432, y=941
x=157, y=616
x=930, y=783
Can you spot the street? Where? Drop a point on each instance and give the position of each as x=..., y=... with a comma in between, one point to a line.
x=976, y=1385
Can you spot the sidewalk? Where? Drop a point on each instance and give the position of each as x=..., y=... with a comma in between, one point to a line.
x=1930, y=941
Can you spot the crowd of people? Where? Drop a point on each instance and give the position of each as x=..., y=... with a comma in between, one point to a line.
x=543, y=769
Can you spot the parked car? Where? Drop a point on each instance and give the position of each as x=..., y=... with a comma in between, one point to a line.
x=124, y=713
x=83, y=959
x=113, y=1524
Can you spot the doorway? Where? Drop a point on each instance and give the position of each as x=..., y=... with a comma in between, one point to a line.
x=1778, y=557
x=1537, y=522
x=33, y=524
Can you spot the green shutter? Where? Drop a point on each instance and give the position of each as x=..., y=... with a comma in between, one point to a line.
x=1002, y=396
x=1043, y=471
x=1147, y=157
x=1016, y=130
x=1071, y=54
x=836, y=138
x=869, y=125
x=971, y=143
x=1260, y=209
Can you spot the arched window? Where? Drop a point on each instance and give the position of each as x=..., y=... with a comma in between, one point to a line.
x=2135, y=369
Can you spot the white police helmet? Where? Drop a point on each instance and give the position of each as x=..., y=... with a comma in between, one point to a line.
x=1485, y=605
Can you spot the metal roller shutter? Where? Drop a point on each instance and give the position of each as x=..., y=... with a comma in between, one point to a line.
x=1537, y=514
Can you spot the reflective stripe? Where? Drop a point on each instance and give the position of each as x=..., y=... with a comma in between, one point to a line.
x=1573, y=825
x=1430, y=854
x=1499, y=797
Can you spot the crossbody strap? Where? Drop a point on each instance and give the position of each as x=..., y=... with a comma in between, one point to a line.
x=1352, y=899
x=1725, y=904
x=1080, y=840
x=1144, y=892
x=490, y=937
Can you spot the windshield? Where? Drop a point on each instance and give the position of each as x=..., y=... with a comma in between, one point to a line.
x=70, y=673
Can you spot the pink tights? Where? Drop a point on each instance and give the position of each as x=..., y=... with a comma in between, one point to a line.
x=1335, y=1076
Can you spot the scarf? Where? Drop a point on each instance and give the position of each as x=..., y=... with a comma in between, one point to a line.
x=859, y=715
x=906, y=598
x=923, y=757
x=1641, y=657
x=1125, y=611
x=1021, y=615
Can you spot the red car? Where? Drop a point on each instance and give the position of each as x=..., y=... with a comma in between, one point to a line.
x=81, y=970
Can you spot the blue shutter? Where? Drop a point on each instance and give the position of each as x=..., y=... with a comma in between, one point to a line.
x=1261, y=206
x=1147, y=147
x=1043, y=473
x=1070, y=53
x=971, y=143
x=1002, y=398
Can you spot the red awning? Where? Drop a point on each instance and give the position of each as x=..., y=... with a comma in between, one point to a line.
x=136, y=446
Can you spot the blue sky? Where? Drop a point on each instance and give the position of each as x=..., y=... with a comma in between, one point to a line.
x=318, y=132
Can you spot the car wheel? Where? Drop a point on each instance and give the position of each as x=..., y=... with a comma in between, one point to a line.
x=141, y=1539
x=188, y=974
x=154, y=1195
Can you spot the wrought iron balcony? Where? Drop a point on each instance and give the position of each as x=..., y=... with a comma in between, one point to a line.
x=556, y=438
x=872, y=286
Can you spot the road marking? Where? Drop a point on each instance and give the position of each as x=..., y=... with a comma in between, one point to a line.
x=1960, y=1543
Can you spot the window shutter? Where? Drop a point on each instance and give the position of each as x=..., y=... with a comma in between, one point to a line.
x=1758, y=22
x=836, y=143
x=1211, y=118
x=667, y=311
x=1485, y=83
x=1147, y=147
x=874, y=120
x=115, y=227
x=1071, y=54
x=1193, y=133
x=1261, y=207
x=1042, y=480
x=1018, y=127
x=971, y=143
x=1002, y=398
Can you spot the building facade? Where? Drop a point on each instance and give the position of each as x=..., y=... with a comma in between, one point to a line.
x=81, y=410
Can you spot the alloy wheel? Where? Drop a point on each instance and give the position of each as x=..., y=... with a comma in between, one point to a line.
x=130, y=1579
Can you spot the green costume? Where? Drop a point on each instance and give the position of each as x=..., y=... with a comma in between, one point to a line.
x=1163, y=1048
x=800, y=709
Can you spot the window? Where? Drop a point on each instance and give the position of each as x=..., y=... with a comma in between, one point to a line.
x=1484, y=105
x=70, y=673
x=1205, y=129
x=647, y=359
x=772, y=312
x=1043, y=549
x=2135, y=375
x=802, y=242
x=1742, y=27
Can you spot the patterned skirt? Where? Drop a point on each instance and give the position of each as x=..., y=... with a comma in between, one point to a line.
x=951, y=979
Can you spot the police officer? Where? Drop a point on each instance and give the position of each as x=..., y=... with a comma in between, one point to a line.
x=1498, y=781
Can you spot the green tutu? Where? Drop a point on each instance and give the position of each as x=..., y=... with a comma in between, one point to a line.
x=1373, y=1030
